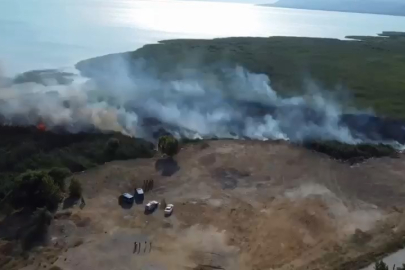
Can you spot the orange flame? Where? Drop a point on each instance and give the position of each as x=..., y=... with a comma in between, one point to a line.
x=41, y=127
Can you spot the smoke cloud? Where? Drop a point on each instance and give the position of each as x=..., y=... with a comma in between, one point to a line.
x=221, y=103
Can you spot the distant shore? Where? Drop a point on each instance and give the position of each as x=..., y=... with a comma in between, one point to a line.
x=400, y=13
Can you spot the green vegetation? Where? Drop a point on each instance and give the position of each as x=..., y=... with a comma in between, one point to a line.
x=352, y=153
x=372, y=70
x=168, y=145
x=75, y=189
x=112, y=146
x=44, y=75
x=34, y=164
x=36, y=189
x=37, y=230
x=59, y=175
x=381, y=266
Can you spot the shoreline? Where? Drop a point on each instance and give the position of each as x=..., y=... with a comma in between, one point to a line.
x=331, y=10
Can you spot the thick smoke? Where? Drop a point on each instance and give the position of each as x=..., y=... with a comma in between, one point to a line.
x=135, y=100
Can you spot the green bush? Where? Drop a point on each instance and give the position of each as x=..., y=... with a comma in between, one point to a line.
x=401, y=267
x=37, y=229
x=113, y=144
x=380, y=266
x=77, y=152
x=59, y=175
x=56, y=155
x=36, y=189
x=168, y=145
x=75, y=189
x=41, y=217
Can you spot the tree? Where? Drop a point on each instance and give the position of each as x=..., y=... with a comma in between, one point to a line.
x=112, y=145
x=36, y=189
x=42, y=217
x=59, y=175
x=401, y=267
x=75, y=189
x=37, y=230
x=380, y=266
x=168, y=145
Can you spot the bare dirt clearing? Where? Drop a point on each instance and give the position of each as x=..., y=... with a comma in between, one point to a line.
x=238, y=205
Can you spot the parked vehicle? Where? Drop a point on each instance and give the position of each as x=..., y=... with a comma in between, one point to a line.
x=151, y=206
x=139, y=195
x=169, y=209
x=127, y=198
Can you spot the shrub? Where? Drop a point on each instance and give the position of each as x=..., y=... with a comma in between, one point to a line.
x=42, y=217
x=36, y=189
x=59, y=175
x=168, y=145
x=75, y=189
x=401, y=267
x=38, y=228
x=56, y=153
x=380, y=266
x=113, y=144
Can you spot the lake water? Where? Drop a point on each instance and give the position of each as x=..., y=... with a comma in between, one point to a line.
x=58, y=33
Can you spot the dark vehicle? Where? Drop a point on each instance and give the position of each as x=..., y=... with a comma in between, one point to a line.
x=127, y=198
x=139, y=196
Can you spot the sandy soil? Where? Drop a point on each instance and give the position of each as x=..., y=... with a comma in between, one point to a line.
x=239, y=205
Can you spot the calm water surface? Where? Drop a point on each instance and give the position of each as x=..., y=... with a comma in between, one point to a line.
x=58, y=33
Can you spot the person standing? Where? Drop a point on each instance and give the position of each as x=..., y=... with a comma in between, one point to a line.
x=135, y=246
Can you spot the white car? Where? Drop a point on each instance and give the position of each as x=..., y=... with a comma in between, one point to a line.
x=151, y=206
x=169, y=209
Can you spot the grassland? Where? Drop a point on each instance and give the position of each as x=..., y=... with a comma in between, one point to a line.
x=368, y=71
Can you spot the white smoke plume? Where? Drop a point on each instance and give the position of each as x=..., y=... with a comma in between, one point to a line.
x=135, y=100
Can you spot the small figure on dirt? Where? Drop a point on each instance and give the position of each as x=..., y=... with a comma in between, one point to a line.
x=82, y=203
x=148, y=185
x=135, y=246
x=144, y=250
x=163, y=204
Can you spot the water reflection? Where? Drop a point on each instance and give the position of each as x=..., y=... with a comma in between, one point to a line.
x=54, y=33
x=194, y=18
